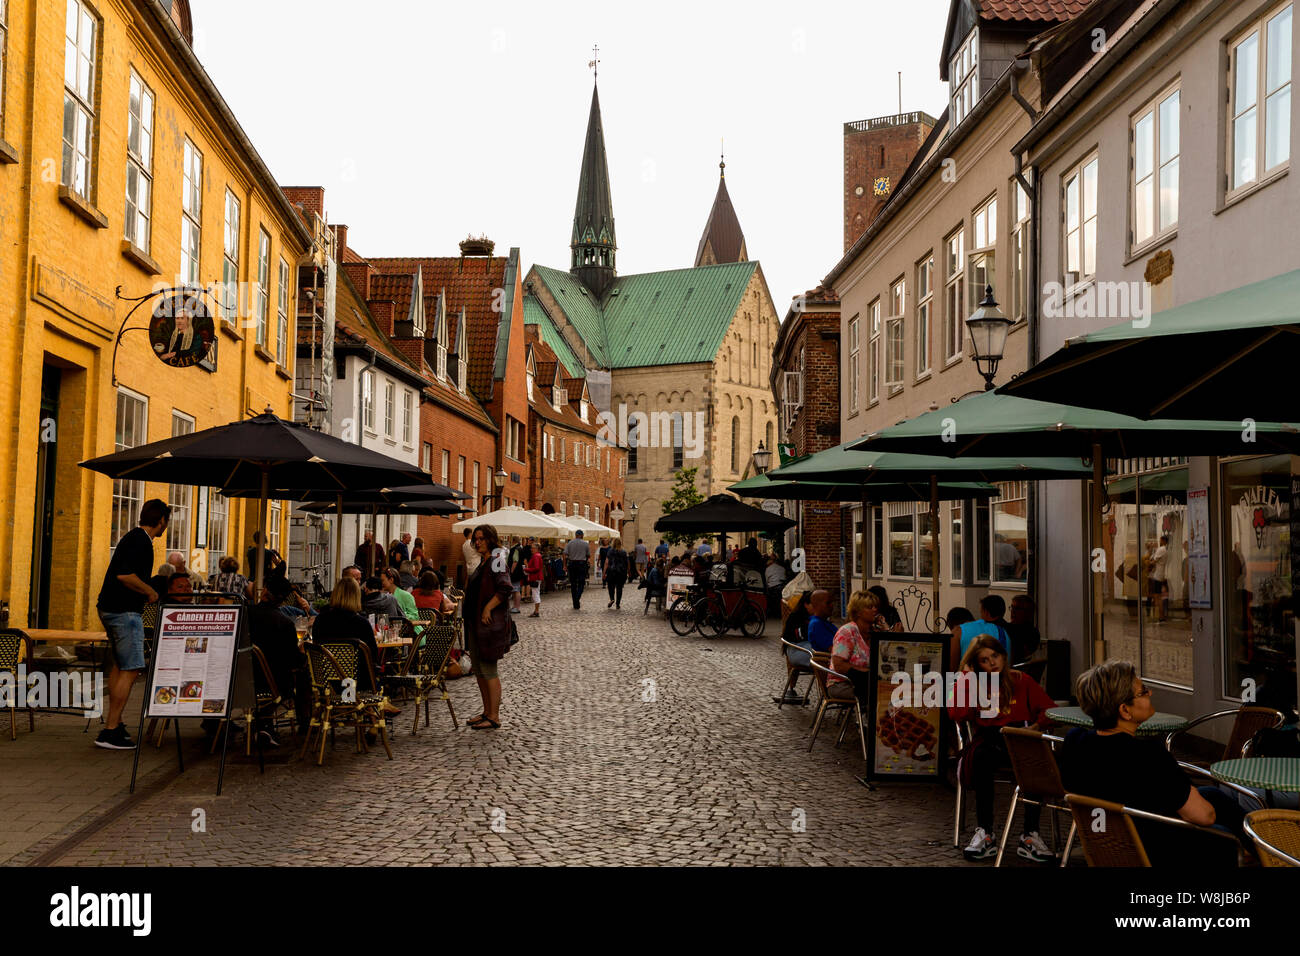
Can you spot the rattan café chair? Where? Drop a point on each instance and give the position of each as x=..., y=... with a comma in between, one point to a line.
x=1110, y=836
x=369, y=715
x=1277, y=836
x=1034, y=765
x=11, y=652
x=425, y=670
x=1247, y=721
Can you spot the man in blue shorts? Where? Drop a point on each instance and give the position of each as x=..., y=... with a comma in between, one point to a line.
x=121, y=602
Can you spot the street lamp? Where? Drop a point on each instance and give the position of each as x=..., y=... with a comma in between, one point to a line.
x=762, y=459
x=988, y=333
x=499, y=482
x=631, y=511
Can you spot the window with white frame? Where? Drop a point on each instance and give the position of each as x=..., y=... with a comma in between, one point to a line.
x=954, y=313
x=963, y=78
x=564, y=506
x=1081, y=222
x=586, y=512
x=895, y=367
x=446, y=467
x=855, y=365
x=474, y=501
x=368, y=399
x=902, y=540
x=82, y=35
x=878, y=541
x=1260, y=99
x=1019, y=252
x=230, y=260
x=982, y=272
x=274, y=511
x=924, y=312
x=180, y=497
x=218, y=527
x=406, y=415
x=1154, y=184
x=139, y=159
x=390, y=409
x=426, y=457
x=282, y=318
x=263, y=284
x=441, y=368
x=873, y=352
x=460, y=473
x=131, y=430
x=955, y=543
x=1009, y=545
x=191, y=212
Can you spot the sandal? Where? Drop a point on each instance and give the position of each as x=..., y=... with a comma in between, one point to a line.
x=485, y=723
x=475, y=720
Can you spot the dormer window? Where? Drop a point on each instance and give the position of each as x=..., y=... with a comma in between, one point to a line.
x=963, y=79
x=559, y=397
x=584, y=409
x=530, y=386
x=462, y=371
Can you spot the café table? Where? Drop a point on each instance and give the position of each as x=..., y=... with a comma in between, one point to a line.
x=62, y=637
x=1159, y=724
x=1270, y=774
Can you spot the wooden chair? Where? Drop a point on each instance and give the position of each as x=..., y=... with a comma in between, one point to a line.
x=1247, y=721
x=792, y=674
x=822, y=673
x=1111, y=838
x=1277, y=836
x=1034, y=765
x=425, y=670
x=11, y=654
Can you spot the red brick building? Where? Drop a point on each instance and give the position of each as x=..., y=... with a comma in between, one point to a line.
x=572, y=473
x=877, y=154
x=806, y=382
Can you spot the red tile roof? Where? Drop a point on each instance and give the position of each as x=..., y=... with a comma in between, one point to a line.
x=1017, y=10
x=470, y=283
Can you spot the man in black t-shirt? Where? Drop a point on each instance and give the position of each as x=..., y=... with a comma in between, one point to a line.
x=121, y=602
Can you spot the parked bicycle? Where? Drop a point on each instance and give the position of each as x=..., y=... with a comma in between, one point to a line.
x=714, y=611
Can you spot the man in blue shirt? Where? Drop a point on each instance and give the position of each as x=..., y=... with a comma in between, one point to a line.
x=821, y=632
x=703, y=549
x=992, y=608
x=662, y=550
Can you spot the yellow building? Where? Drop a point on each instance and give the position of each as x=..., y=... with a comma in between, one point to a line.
x=123, y=170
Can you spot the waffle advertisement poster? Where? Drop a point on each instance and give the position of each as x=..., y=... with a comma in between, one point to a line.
x=905, y=741
x=194, y=662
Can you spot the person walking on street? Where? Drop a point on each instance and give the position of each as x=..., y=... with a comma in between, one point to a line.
x=662, y=550
x=642, y=555
x=487, y=625
x=515, y=562
x=534, y=569
x=471, y=556
x=579, y=554
x=615, y=572
x=121, y=602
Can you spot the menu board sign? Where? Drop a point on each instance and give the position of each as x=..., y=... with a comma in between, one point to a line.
x=1198, y=548
x=907, y=730
x=194, y=661
x=678, y=583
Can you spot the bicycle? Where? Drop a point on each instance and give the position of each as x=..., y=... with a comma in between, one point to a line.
x=715, y=611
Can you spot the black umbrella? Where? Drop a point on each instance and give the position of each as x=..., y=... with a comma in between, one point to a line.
x=259, y=452
x=722, y=513
x=429, y=507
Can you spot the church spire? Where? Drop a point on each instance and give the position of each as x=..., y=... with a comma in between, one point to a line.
x=593, y=241
x=723, y=240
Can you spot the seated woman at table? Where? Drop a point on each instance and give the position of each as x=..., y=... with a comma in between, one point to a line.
x=428, y=594
x=1014, y=700
x=796, y=631
x=1110, y=762
x=887, y=618
x=341, y=622
x=851, y=652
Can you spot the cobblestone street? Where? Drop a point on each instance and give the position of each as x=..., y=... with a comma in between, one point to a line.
x=582, y=772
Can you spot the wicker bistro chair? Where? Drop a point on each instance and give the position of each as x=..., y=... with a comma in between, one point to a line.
x=1277, y=836
x=1247, y=721
x=268, y=705
x=821, y=674
x=1034, y=764
x=792, y=675
x=425, y=670
x=328, y=665
x=1111, y=838
x=11, y=653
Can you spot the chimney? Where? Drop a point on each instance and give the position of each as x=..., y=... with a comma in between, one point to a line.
x=340, y=241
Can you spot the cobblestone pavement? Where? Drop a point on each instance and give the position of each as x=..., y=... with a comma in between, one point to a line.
x=583, y=772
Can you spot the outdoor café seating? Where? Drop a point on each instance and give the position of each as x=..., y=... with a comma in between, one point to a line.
x=1276, y=834
x=1038, y=781
x=792, y=674
x=328, y=666
x=965, y=737
x=1116, y=842
x=425, y=671
x=11, y=647
x=852, y=705
x=1247, y=721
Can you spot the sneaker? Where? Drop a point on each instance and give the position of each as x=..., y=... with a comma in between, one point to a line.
x=514, y=610
x=1031, y=847
x=981, y=846
x=117, y=739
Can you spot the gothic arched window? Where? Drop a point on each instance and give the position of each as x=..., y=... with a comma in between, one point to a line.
x=735, y=444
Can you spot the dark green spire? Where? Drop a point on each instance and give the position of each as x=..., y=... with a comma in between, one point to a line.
x=593, y=244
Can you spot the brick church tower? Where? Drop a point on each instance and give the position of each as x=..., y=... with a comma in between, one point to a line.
x=877, y=153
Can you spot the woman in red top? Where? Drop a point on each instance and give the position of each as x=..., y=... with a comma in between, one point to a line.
x=1015, y=700
x=429, y=594
x=533, y=573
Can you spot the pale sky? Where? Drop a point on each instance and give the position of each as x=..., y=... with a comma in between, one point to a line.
x=426, y=122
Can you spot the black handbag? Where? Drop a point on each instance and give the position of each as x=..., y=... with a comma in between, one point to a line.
x=514, y=633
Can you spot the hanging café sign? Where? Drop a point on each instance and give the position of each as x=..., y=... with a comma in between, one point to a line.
x=182, y=333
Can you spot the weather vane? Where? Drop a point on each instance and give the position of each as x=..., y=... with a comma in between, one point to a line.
x=594, y=65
